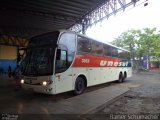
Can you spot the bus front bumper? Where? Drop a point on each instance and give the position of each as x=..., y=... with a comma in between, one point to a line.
x=39, y=88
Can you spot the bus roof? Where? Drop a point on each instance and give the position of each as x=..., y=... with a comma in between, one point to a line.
x=64, y=30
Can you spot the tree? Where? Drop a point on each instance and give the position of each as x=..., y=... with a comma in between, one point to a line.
x=156, y=50
x=128, y=40
x=147, y=42
x=140, y=43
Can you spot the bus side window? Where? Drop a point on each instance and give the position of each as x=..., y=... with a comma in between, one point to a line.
x=68, y=40
x=97, y=48
x=127, y=55
x=114, y=52
x=123, y=54
x=107, y=50
x=83, y=44
x=68, y=43
x=61, y=61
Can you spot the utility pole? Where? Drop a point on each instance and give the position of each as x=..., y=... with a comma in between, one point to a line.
x=132, y=54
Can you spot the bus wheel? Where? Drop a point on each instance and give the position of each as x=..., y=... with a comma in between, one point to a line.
x=120, y=77
x=125, y=75
x=79, y=86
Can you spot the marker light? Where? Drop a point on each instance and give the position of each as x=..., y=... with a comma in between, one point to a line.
x=22, y=81
x=44, y=83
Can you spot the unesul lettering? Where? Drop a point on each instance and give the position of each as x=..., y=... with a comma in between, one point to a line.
x=111, y=63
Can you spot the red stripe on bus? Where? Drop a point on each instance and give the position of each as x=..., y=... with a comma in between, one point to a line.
x=96, y=61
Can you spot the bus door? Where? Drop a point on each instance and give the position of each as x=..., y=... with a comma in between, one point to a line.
x=64, y=58
x=63, y=74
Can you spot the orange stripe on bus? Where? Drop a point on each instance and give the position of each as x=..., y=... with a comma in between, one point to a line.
x=97, y=61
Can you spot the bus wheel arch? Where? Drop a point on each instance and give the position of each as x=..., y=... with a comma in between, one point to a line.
x=80, y=84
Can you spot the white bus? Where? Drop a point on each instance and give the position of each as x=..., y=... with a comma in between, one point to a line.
x=63, y=61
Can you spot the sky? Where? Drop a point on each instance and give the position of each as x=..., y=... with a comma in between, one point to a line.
x=138, y=17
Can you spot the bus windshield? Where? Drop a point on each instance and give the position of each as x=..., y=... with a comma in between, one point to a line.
x=38, y=61
x=39, y=56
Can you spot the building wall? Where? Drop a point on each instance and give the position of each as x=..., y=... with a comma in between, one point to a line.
x=8, y=56
x=8, y=52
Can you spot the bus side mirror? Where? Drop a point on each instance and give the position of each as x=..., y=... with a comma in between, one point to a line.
x=58, y=56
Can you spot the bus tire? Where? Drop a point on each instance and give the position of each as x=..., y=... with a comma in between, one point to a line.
x=120, y=79
x=125, y=76
x=79, y=86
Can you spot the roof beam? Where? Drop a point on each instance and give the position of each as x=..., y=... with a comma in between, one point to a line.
x=13, y=41
x=43, y=6
x=110, y=7
x=72, y=3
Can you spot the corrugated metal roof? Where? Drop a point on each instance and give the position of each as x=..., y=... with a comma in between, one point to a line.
x=26, y=18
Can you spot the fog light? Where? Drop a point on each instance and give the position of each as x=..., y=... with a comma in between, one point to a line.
x=44, y=83
x=22, y=81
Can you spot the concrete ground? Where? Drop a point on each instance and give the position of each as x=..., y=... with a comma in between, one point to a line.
x=140, y=94
x=139, y=103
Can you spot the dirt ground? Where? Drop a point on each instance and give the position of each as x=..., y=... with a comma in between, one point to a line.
x=139, y=103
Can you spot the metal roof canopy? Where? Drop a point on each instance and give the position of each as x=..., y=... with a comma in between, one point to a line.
x=26, y=18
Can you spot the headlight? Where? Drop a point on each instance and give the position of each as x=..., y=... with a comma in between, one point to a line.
x=44, y=83
x=22, y=81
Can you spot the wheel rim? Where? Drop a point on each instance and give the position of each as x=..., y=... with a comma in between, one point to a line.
x=79, y=86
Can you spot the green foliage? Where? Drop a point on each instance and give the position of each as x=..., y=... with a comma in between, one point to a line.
x=140, y=42
x=126, y=39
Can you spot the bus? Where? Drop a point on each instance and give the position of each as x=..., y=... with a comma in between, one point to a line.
x=63, y=60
